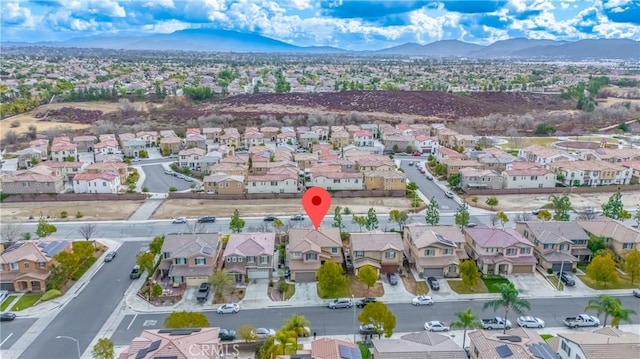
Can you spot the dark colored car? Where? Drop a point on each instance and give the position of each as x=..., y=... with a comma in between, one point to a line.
x=7, y=317
x=393, y=278
x=364, y=301
x=567, y=279
x=367, y=329
x=207, y=219
x=110, y=256
x=433, y=283
x=297, y=217
x=135, y=272
x=227, y=334
x=269, y=218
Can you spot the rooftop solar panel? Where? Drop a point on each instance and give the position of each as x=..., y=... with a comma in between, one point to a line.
x=542, y=351
x=504, y=351
x=154, y=346
x=442, y=239
x=141, y=353
x=207, y=250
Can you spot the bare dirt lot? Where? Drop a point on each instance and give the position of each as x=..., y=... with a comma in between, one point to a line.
x=518, y=202
x=196, y=208
x=91, y=211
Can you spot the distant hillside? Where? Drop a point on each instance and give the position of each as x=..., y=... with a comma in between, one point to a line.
x=445, y=48
x=584, y=49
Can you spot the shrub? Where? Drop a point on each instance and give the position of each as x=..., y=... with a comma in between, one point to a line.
x=549, y=270
x=173, y=189
x=83, y=268
x=64, y=214
x=79, y=214
x=15, y=124
x=50, y=294
x=145, y=189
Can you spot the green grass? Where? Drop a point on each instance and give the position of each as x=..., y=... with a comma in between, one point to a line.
x=26, y=301
x=624, y=282
x=364, y=351
x=84, y=267
x=344, y=293
x=493, y=283
x=459, y=287
x=422, y=288
x=554, y=281
x=7, y=302
x=546, y=336
x=522, y=142
x=289, y=291
x=51, y=294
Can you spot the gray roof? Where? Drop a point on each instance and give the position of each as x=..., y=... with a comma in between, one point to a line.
x=556, y=232
x=189, y=245
x=419, y=345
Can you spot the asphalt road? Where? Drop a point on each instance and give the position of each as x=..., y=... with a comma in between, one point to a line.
x=159, y=182
x=11, y=331
x=428, y=188
x=325, y=321
x=84, y=316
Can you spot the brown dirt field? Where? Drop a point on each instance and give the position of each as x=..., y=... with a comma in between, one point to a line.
x=196, y=208
x=529, y=202
x=360, y=290
x=107, y=210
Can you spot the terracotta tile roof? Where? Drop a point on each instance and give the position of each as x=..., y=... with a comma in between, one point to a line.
x=188, y=245
x=192, y=151
x=106, y=176
x=172, y=345
x=250, y=244
x=491, y=237
x=106, y=143
x=324, y=237
x=419, y=345
x=326, y=348
x=424, y=235
x=32, y=250
x=170, y=140
x=85, y=138
x=486, y=343
x=219, y=177
x=449, y=152
x=376, y=241
x=610, y=228
x=555, y=232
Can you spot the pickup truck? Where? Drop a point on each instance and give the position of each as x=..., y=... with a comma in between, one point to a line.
x=203, y=292
x=582, y=320
x=495, y=323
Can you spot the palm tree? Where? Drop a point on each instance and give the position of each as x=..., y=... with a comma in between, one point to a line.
x=281, y=341
x=561, y=206
x=466, y=320
x=509, y=300
x=619, y=314
x=297, y=323
x=603, y=304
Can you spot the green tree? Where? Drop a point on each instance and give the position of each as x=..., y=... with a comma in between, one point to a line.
x=277, y=224
x=632, y=265
x=156, y=290
x=44, y=228
x=412, y=187
x=103, y=349
x=596, y=243
x=337, y=218
x=283, y=340
x=462, y=216
x=603, y=269
x=84, y=250
x=561, y=207
x=221, y=281
x=69, y=263
x=509, y=301
x=432, y=213
x=247, y=333
x=236, y=224
x=372, y=220
x=359, y=220
x=399, y=217
x=614, y=207
x=146, y=262
x=368, y=275
x=466, y=320
x=544, y=215
x=502, y=217
x=604, y=304
x=298, y=324
x=331, y=280
x=637, y=217
x=380, y=317
x=619, y=313
x=184, y=320
x=491, y=201
x=156, y=245
x=469, y=273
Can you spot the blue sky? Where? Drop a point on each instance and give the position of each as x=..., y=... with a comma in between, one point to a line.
x=349, y=24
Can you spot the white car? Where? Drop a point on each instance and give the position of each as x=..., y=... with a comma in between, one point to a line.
x=422, y=300
x=636, y=292
x=264, y=333
x=436, y=326
x=449, y=194
x=530, y=322
x=179, y=220
x=228, y=308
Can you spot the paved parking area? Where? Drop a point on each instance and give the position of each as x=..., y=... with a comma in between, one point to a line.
x=395, y=293
x=532, y=284
x=307, y=294
x=255, y=295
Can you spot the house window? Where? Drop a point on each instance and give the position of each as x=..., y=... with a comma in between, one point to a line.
x=565, y=348
x=564, y=247
x=311, y=256
x=447, y=251
x=104, y=184
x=234, y=259
x=181, y=261
x=627, y=246
x=42, y=264
x=389, y=254
x=264, y=260
x=334, y=250
x=14, y=266
x=359, y=254
x=251, y=259
x=26, y=266
x=512, y=251
x=548, y=246
x=166, y=255
x=525, y=250
x=579, y=242
x=296, y=254
x=200, y=261
x=429, y=252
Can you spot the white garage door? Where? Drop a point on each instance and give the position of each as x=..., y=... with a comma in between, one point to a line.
x=258, y=273
x=196, y=281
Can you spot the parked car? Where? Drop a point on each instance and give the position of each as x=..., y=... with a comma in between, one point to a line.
x=135, y=272
x=364, y=301
x=7, y=317
x=582, y=320
x=393, y=278
x=228, y=308
x=422, y=300
x=3, y=295
x=110, y=256
x=433, y=283
x=449, y=194
x=471, y=224
x=429, y=177
x=530, y=322
x=636, y=292
x=421, y=170
x=410, y=163
x=367, y=329
x=269, y=218
x=566, y=279
x=436, y=326
x=227, y=334
x=167, y=172
x=297, y=217
x=207, y=219
x=264, y=333
x=496, y=323
x=179, y=220
x=306, y=332
x=340, y=303
x=416, y=154
x=203, y=292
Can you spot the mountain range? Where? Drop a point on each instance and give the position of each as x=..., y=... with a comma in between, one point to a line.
x=213, y=40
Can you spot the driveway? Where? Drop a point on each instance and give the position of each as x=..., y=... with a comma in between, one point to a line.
x=255, y=295
x=532, y=284
x=307, y=294
x=395, y=293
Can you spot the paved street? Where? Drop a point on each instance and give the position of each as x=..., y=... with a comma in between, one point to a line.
x=428, y=188
x=159, y=182
x=325, y=321
x=10, y=332
x=83, y=317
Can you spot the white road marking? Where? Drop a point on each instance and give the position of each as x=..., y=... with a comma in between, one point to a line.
x=5, y=339
x=132, y=320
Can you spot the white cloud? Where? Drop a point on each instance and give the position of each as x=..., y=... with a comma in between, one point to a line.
x=166, y=27
x=615, y=3
x=300, y=4
x=14, y=14
x=104, y=7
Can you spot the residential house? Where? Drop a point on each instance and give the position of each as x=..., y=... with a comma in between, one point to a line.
x=106, y=147
x=322, y=131
x=385, y=180
x=418, y=345
x=518, y=343
x=222, y=183
x=212, y=134
x=305, y=160
x=634, y=166
x=325, y=151
x=435, y=251
x=337, y=181
x=270, y=133
x=85, y=143
x=193, y=131
x=308, y=138
x=168, y=133
x=544, y=156
x=149, y=137
x=104, y=182
x=339, y=138
x=115, y=157
x=281, y=182
x=41, y=145
x=591, y=173
x=603, y=343
x=287, y=138
x=249, y=256
x=190, y=158
x=426, y=144
x=66, y=169
x=26, y=265
x=444, y=155
x=363, y=138
x=559, y=246
x=493, y=159
x=201, y=343
x=62, y=149
x=326, y=348
x=196, y=140
x=308, y=249
x=120, y=168
x=500, y=250
x=398, y=143
x=380, y=250
x=38, y=179
x=528, y=175
x=612, y=155
x=170, y=145
x=471, y=178
x=106, y=136
x=374, y=163
x=208, y=160
x=231, y=168
x=29, y=157
x=618, y=236
x=188, y=258
x=446, y=136
x=454, y=166
x=132, y=147
x=230, y=137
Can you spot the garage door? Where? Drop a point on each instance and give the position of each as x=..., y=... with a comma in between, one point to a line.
x=433, y=272
x=556, y=267
x=7, y=286
x=305, y=277
x=196, y=281
x=522, y=269
x=258, y=273
x=389, y=269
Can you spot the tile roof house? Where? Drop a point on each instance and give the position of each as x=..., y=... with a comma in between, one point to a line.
x=500, y=250
x=200, y=343
x=308, y=249
x=436, y=251
x=85, y=143
x=523, y=174
x=381, y=250
x=62, y=148
x=471, y=178
x=222, y=183
x=385, y=180
x=604, y=343
x=190, y=158
x=543, y=156
x=418, y=345
x=557, y=244
x=518, y=343
x=171, y=144
x=250, y=255
x=104, y=182
x=120, y=168
x=39, y=179
x=618, y=236
x=273, y=182
x=591, y=173
x=188, y=258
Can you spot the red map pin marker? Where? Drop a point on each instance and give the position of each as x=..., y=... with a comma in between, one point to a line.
x=316, y=202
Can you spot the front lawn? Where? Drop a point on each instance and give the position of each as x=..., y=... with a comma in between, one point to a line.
x=459, y=287
x=413, y=286
x=345, y=293
x=546, y=336
x=7, y=302
x=364, y=351
x=26, y=301
x=624, y=282
x=493, y=283
x=360, y=290
x=554, y=281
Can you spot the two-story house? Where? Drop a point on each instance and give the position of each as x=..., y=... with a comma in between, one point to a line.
x=337, y=180
x=444, y=155
x=339, y=138
x=107, y=147
x=308, y=249
x=149, y=137
x=120, y=168
x=132, y=147
x=39, y=179
x=201, y=343
x=517, y=343
x=500, y=250
x=222, y=183
x=385, y=180
x=426, y=144
x=471, y=178
x=528, y=175
x=363, y=138
x=103, y=182
x=250, y=255
x=270, y=133
x=212, y=134
x=253, y=138
x=559, y=246
x=85, y=143
x=381, y=250
x=543, y=156
x=618, y=236
x=281, y=182
x=63, y=149
x=170, y=145
x=591, y=173
x=230, y=137
x=190, y=158
x=188, y=258
x=288, y=138
x=435, y=251
x=196, y=140
x=601, y=343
